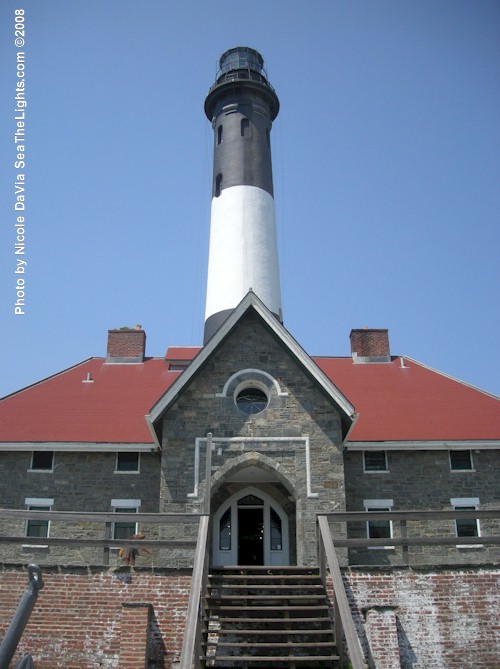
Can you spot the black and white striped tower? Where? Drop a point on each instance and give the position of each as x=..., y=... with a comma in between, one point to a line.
x=243, y=254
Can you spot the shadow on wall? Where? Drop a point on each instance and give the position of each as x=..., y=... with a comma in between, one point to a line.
x=157, y=651
x=407, y=657
x=358, y=619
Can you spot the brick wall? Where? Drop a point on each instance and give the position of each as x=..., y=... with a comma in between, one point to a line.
x=85, y=619
x=445, y=619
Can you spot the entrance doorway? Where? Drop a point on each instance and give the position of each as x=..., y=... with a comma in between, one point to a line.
x=251, y=536
x=250, y=529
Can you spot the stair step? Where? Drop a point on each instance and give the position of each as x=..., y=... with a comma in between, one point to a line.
x=272, y=644
x=273, y=598
x=289, y=621
x=271, y=658
x=268, y=632
x=266, y=586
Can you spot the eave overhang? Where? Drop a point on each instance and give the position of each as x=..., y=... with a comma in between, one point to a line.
x=434, y=445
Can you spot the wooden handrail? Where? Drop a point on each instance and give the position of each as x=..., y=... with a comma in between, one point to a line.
x=342, y=605
x=190, y=645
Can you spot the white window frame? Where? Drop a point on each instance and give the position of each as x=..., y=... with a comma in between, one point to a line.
x=30, y=502
x=38, y=470
x=117, y=504
x=379, y=505
x=131, y=471
x=376, y=471
x=461, y=503
x=469, y=469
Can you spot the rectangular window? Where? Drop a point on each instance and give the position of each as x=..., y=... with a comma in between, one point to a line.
x=461, y=461
x=378, y=529
x=375, y=461
x=37, y=527
x=42, y=461
x=466, y=527
x=125, y=529
x=127, y=463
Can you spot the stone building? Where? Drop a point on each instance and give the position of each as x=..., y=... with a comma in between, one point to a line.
x=290, y=436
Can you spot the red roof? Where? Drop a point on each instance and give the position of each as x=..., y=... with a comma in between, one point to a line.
x=413, y=403
x=64, y=408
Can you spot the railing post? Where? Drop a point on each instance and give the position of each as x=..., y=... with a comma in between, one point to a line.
x=404, y=535
x=344, y=612
x=208, y=472
x=105, y=551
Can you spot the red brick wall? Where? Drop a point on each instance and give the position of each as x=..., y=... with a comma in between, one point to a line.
x=86, y=620
x=369, y=342
x=126, y=343
x=444, y=620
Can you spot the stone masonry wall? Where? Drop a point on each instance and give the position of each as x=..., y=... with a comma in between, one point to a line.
x=81, y=481
x=422, y=480
x=86, y=619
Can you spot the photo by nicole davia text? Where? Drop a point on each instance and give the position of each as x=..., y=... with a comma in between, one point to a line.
x=20, y=165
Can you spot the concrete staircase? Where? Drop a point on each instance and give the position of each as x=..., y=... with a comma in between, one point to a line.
x=276, y=617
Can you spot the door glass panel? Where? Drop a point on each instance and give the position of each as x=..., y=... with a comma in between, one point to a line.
x=276, y=531
x=250, y=500
x=225, y=531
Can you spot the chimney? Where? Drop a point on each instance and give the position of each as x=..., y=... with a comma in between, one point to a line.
x=370, y=345
x=126, y=345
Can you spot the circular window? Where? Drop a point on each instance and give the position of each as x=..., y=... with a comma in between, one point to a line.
x=251, y=400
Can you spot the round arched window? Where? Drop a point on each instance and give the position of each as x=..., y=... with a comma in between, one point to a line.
x=251, y=400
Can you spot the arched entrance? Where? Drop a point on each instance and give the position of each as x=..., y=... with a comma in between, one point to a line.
x=250, y=528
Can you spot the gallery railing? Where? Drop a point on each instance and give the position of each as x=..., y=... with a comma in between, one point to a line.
x=75, y=534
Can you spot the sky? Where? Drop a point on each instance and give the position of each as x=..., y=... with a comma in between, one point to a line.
x=386, y=159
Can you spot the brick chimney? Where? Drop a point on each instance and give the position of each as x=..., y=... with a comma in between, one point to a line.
x=126, y=345
x=370, y=343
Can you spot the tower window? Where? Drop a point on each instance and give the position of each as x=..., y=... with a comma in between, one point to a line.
x=268, y=138
x=245, y=127
x=219, y=134
x=218, y=185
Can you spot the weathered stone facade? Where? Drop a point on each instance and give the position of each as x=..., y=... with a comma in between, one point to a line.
x=295, y=443
x=422, y=480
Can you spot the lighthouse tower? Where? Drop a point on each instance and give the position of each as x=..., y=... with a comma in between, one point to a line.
x=243, y=254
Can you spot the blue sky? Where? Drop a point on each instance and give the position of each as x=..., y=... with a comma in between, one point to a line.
x=386, y=158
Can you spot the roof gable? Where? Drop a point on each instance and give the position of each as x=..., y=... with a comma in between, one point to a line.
x=252, y=303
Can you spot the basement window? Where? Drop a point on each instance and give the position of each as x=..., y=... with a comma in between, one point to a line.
x=466, y=527
x=378, y=529
x=38, y=528
x=461, y=461
x=127, y=463
x=42, y=461
x=375, y=461
x=123, y=529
